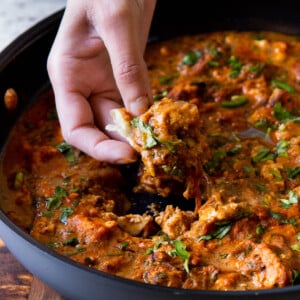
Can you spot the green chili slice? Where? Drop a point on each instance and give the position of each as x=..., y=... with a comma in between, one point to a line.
x=283, y=85
x=235, y=101
x=67, y=151
x=19, y=180
x=191, y=58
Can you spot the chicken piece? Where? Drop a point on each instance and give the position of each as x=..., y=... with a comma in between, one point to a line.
x=263, y=265
x=216, y=210
x=136, y=224
x=170, y=143
x=90, y=230
x=174, y=222
x=287, y=132
x=257, y=90
x=257, y=265
x=271, y=172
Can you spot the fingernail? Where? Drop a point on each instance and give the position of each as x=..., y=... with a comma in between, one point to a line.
x=125, y=161
x=139, y=106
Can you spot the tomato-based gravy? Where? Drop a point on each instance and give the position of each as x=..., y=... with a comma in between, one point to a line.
x=223, y=133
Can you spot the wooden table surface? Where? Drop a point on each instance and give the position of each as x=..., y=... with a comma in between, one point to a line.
x=16, y=283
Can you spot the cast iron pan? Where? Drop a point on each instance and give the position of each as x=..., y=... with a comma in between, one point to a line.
x=23, y=67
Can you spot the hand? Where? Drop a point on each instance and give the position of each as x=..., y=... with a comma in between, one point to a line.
x=96, y=64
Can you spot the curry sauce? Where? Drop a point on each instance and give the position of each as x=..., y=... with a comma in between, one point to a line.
x=224, y=129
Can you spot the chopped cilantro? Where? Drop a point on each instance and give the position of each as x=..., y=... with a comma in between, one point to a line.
x=292, y=199
x=55, y=201
x=67, y=150
x=282, y=147
x=65, y=213
x=283, y=115
x=217, y=233
x=150, y=139
x=180, y=251
x=296, y=277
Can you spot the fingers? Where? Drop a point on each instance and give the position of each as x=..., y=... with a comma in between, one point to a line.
x=92, y=142
x=79, y=130
x=79, y=68
x=120, y=29
x=97, y=60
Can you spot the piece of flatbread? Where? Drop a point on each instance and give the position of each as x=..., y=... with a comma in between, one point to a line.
x=121, y=125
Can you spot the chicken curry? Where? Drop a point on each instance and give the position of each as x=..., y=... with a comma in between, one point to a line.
x=223, y=133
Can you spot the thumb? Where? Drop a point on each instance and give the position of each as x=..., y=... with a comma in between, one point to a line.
x=120, y=30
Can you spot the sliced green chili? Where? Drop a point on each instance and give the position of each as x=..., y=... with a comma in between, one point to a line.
x=283, y=85
x=236, y=66
x=263, y=154
x=235, y=101
x=19, y=180
x=292, y=172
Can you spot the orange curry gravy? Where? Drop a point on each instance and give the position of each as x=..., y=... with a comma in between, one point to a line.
x=244, y=235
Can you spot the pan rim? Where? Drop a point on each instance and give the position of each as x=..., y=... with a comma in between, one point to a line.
x=24, y=41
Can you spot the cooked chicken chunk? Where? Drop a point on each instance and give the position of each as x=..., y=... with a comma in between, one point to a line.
x=170, y=143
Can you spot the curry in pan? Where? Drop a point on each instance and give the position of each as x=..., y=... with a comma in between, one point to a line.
x=223, y=135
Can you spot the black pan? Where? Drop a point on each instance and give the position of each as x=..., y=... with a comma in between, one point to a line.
x=23, y=67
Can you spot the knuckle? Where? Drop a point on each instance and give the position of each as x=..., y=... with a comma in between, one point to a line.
x=128, y=73
x=114, y=15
